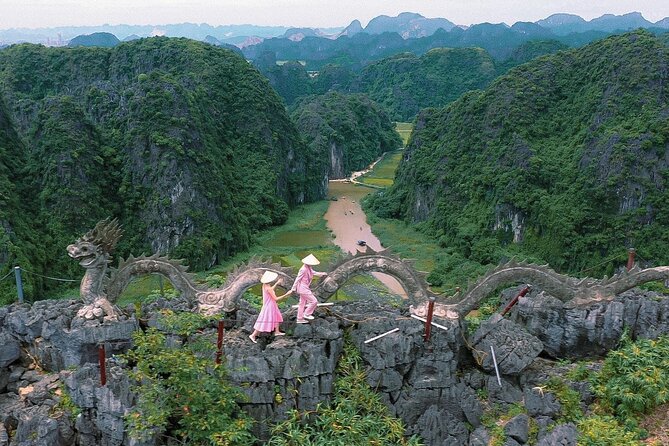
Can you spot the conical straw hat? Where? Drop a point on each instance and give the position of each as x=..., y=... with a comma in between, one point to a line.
x=310, y=260
x=268, y=277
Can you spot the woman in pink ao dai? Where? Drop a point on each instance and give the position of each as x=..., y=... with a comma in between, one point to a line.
x=270, y=316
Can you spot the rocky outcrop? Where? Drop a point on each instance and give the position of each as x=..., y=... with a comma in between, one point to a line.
x=514, y=347
x=345, y=132
x=593, y=330
x=440, y=388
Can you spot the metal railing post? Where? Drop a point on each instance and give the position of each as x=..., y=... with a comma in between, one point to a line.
x=428, y=323
x=19, y=283
x=219, y=343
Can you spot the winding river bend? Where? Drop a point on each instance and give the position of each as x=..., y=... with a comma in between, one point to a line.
x=347, y=221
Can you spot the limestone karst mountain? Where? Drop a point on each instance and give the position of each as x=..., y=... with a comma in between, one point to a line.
x=185, y=142
x=564, y=158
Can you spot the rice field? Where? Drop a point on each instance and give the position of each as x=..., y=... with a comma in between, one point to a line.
x=404, y=129
x=383, y=174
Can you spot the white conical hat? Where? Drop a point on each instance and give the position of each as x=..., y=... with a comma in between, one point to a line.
x=268, y=277
x=310, y=260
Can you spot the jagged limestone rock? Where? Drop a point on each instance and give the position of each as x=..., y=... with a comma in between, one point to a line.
x=514, y=347
x=518, y=428
x=591, y=331
x=562, y=434
x=10, y=350
x=479, y=437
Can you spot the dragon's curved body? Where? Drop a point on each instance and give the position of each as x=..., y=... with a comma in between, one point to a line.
x=238, y=281
x=572, y=291
x=102, y=286
x=369, y=261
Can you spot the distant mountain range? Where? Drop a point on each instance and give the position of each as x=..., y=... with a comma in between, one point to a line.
x=408, y=25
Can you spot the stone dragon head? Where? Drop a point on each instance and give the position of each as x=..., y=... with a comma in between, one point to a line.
x=94, y=248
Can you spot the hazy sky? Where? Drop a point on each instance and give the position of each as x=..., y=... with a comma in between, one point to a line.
x=312, y=13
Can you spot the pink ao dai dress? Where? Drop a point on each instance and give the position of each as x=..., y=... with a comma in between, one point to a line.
x=270, y=316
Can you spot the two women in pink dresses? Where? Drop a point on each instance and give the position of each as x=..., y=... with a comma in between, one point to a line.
x=270, y=316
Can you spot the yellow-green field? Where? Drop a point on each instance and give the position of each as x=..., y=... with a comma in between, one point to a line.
x=405, y=241
x=383, y=174
x=404, y=129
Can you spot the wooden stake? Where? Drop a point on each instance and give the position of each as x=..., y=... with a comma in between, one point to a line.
x=103, y=366
x=219, y=343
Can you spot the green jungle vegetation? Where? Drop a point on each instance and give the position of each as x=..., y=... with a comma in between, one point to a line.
x=348, y=127
x=181, y=393
x=403, y=83
x=406, y=83
x=185, y=143
x=572, y=146
x=14, y=231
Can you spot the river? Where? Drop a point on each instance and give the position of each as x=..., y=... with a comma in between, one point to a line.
x=347, y=221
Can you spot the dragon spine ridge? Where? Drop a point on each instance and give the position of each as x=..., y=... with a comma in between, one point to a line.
x=93, y=252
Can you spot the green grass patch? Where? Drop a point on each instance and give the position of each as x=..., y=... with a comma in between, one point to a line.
x=404, y=129
x=405, y=241
x=142, y=287
x=447, y=270
x=657, y=286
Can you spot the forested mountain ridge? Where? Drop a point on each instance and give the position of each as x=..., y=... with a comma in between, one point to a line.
x=564, y=159
x=185, y=143
x=360, y=49
x=405, y=83
x=344, y=132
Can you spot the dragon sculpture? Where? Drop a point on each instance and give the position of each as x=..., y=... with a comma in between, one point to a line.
x=102, y=285
x=93, y=251
x=572, y=291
